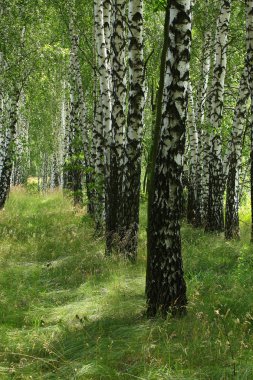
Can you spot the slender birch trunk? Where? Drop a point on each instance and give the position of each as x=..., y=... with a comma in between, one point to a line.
x=132, y=166
x=66, y=148
x=75, y=147
x=205, y=73
x=97, y=150
x=21, y=157
x=249, y=36
x=98, y=157
x=55, y=174
x=232, y=228
x=215, y=214
x=193, y=160
x=203, y=151
x=44, y=179
x=9, y=149
x=82, y=112
x=78, y=140
x=2, y=132
x=102, y=44
x=165, y=286
x=62, y=136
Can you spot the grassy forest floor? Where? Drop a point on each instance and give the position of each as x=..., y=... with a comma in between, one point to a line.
x=66, y=312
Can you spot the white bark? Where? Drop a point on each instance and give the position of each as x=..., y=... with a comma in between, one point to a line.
x=132, y=167
x=166, y=289
x=215, y=216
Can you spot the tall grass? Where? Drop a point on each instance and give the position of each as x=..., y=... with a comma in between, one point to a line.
x=66, y=312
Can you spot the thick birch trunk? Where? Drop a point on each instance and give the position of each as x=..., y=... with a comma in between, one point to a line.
x=165, y=287
x=119, y=90
x=132, y=167
x=158, y=121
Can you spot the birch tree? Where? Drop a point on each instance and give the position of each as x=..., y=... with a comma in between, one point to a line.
x=119, y=91
x=249, y=37
x=215, y=214
x=134, y=133
x=165, y=286
x=193, y=159
x=201, y=201
x=232, y=228
x=102, y=35
x=7, y=162
x=74, y=166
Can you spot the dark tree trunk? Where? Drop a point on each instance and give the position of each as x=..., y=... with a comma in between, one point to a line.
x=215, y=211
x=232, y=230
x=159, y=103
x=5, y=179
x=119, y=90
x=191, y=204
x=133, y=150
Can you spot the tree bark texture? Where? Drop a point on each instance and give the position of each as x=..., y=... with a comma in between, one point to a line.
x=165, y=286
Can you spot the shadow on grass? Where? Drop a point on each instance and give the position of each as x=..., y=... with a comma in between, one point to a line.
x=67, y=312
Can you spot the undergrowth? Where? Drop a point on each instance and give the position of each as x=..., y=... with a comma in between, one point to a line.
x=67, y=312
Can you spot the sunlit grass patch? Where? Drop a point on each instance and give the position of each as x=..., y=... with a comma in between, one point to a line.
x=67, y=312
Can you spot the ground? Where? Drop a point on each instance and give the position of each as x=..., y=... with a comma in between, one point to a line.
x=67, y=312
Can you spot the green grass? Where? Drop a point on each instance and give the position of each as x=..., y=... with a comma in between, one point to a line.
x=66, y=312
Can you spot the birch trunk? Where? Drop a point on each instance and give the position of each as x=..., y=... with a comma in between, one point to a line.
x=2, y=132
x=232, y=228
x=75, y=147
x=97, y=151
x=98, y=157
x=62, y=136
x=193, y=160
x=249, y=36
x=21, y=157
x=82, y=112
x=44, y=182
x=165, y=286
x=119, y=90
x=215, y=214
x=9, y=150
x=102, y=34
x=203, y=153
x=66, y=149
x=132, y=166
x=158, y=121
